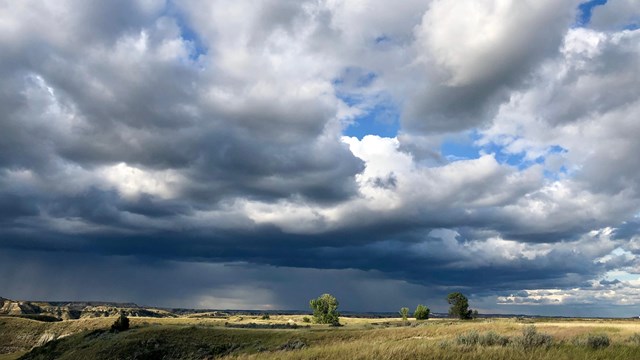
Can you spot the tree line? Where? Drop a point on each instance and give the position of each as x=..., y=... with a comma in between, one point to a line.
x=325, y=309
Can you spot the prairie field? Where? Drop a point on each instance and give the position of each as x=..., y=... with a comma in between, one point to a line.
x=290, y=337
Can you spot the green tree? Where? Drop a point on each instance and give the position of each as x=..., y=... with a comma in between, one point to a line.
x=404, y=312
x=325, y=310
x=421, y=313
x=459, y=306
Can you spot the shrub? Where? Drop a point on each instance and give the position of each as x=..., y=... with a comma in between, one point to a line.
x=598, y=341
x=421, y=313
x=265, y=317
x=306, y=319
x=470, y=338
x=634, y=339
x=293, y=345
x=121, y=323
x=325, y=310
x=404, y=312
x=593, y=341
x=492, y=338
x=531, y=339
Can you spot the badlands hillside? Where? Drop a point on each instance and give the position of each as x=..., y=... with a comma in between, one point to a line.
x=56, y=310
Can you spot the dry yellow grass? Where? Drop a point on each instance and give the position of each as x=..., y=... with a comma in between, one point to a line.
x=360, y=338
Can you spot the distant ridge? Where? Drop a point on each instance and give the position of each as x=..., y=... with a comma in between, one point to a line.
x=65, y=310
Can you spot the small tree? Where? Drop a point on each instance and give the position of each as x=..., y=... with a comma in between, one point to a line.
x=421, y=313
x=325, y=310
x=459, y=306
x=404, y=312
x=121, y=323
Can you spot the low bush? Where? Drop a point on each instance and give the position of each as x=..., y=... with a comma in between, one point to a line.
x=593, y=341
x=531, y=339
x=121, y=323
x=293, y=345
x=634, y=339
x=473, y=338
x=492, y=338
x=470, y=338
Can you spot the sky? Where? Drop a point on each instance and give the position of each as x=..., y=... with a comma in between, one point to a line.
x=254, y=155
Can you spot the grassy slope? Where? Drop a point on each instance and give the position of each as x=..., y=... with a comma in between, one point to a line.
x=435, y=339
x=12, y=356
x=18, y=334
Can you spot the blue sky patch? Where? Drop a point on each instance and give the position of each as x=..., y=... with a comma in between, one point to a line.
x=586, y=9
x=186, y=32
x=380, y=115
x=382, y=120
x=460, y=148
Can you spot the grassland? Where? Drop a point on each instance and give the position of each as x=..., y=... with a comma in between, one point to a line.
x=208, y=338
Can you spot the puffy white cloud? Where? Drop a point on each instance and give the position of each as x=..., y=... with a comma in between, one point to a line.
x=474, y=41
x=567, y=106
x=471, y=53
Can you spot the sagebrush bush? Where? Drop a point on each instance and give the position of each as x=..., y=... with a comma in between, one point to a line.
x=531, y=339
x=593, y=341
x=473, y=338
x=121, y=323
x=470, y=338
x=634, y=339
x=492, y=338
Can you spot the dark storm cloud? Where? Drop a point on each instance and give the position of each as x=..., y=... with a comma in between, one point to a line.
x=187, y=284
x=107, y=102
x=416, y=257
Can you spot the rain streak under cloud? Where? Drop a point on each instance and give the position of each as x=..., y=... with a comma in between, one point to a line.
x=242, y=154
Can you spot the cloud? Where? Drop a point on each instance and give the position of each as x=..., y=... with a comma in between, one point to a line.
x=617, y=15
x=206, y=139
x=472, y=52
x=139, y=99
x=568, y=108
